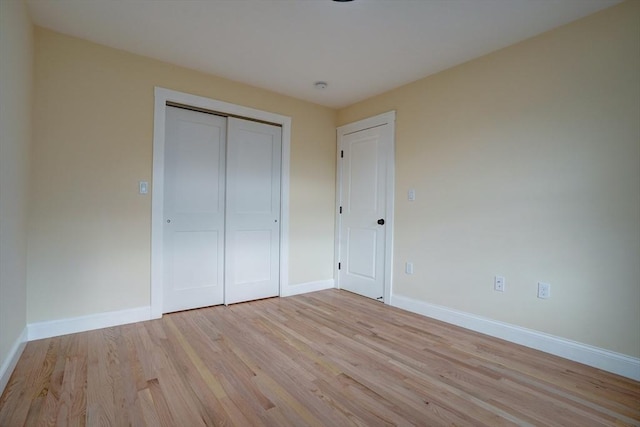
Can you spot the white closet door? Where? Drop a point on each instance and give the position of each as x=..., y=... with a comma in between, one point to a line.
x=194, y=194
x=253, y=211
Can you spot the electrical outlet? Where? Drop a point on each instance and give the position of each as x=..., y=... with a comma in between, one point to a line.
x=544, y=290
x=498, y=283
x=408, y=267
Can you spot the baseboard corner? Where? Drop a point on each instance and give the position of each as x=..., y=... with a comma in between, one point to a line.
x=304, y=288
x=11, y=361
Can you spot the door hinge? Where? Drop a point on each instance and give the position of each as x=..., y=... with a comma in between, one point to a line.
x=340, y=209
x=339, y=266
x=341, y=153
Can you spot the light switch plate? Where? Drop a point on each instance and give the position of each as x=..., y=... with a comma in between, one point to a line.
x=408, y=267
x=143, y=187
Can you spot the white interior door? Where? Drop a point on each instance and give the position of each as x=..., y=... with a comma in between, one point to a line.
x=194, y=194
x=253, y=211
x=365, y=155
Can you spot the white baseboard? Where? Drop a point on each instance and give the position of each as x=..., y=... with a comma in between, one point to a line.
x=72, y=325
x=606, y=360
x=304, y=288
x=11, y=361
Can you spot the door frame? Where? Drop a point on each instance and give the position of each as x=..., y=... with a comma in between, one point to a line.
x=388, y=118
x=162, y=96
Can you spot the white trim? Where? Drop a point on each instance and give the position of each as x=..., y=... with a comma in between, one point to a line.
x=391, y=193
x=388, y=118
x=11, y=361
x=380, y=119
x=338, y=219
x=162, y=96
x=596, y=357
x=54, y=328
x=304, y=288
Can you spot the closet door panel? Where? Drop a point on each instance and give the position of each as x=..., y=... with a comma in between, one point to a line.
x=252, y=211
x=194, y=199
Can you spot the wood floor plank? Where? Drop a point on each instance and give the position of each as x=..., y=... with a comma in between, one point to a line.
x=328, y=358
x=210, y=396
x=101, y=407
x=41, y=381
x=160, y=405
x=22, y=390
x=148, y=409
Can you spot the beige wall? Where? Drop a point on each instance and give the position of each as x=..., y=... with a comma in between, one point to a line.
x=16, y=81
x=526, y=163
x=89, y=239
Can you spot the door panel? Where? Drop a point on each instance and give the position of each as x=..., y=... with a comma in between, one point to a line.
x=362, y=174
x=252, y=166
x=253, y=211
x=194, y=209
x=191, y=261
x=198, y=165
x=361, y=254
x=363, y=199
x=252, y=260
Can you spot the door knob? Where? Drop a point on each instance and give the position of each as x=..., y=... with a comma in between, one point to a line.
x=381, y=221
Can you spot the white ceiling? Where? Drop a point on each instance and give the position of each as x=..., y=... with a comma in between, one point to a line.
x=361, y=48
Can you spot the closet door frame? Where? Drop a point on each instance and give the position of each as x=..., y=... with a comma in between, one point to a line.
x=164, y=96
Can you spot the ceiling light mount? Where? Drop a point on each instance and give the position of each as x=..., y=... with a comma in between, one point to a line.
x=321, y=85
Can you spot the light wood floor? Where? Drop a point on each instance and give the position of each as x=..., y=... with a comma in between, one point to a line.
x=328, y=358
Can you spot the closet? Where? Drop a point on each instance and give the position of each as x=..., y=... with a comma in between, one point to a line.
x=221, y=209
